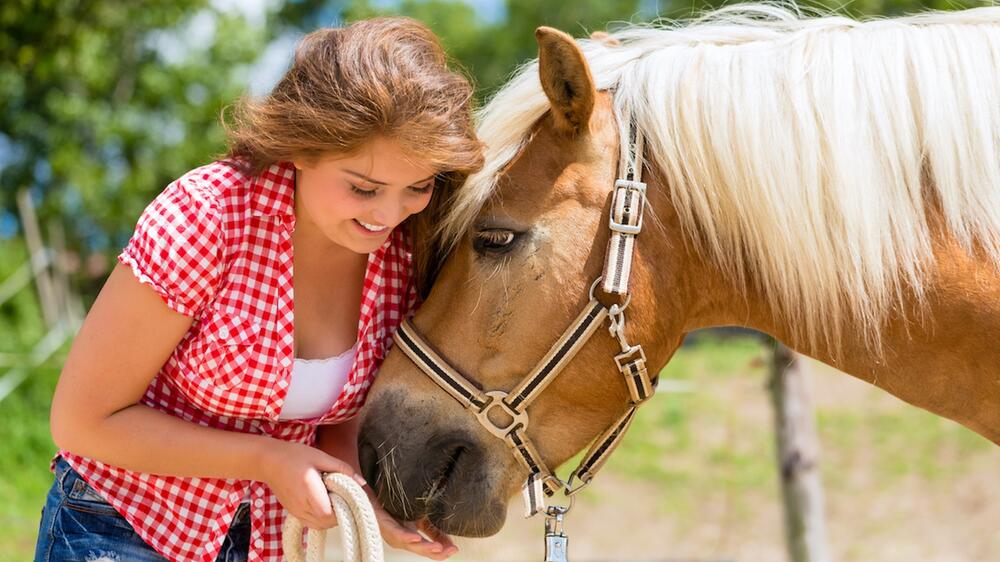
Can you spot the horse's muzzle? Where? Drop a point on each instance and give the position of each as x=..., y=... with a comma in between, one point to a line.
x=418, y=469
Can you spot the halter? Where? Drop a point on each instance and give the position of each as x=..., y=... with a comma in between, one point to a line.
x=504, y=413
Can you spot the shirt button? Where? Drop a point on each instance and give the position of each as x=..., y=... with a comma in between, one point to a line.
x=223, y=332
x=258, y=543
x=258, y=503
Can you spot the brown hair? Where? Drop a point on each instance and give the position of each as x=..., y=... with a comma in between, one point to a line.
x=378, y=77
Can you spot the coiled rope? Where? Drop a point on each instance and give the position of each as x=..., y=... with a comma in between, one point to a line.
x=359, y=532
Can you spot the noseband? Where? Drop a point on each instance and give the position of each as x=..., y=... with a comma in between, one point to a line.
x=503, y=413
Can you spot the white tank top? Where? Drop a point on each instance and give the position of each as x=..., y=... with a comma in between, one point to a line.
x=315, y=386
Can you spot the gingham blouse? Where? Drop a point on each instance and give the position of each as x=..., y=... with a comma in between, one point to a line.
x=216, y=245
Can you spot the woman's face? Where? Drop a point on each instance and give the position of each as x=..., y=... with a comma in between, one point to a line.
x=355, y=200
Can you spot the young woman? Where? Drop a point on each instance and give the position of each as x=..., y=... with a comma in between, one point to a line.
x=220, y=368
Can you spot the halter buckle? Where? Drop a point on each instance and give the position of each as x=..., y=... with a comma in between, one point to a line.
x=639, y=188
x=631, y=185
x=626, y=356
x=496, y=398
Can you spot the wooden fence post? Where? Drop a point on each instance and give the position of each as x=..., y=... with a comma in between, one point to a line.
x=61, y=307
x=39, y=256
x=798, y=458
x=70, y=308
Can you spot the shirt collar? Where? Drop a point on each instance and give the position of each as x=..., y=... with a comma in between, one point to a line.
x=273, y=191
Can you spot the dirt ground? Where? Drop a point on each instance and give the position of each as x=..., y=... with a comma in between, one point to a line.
x=947, y=515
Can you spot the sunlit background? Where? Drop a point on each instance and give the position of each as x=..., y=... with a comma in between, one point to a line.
x=103, y=103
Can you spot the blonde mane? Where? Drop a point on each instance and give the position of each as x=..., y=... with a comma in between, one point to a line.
x=802, y=153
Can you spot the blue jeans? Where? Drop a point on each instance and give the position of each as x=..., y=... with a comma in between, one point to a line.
x=79, y=526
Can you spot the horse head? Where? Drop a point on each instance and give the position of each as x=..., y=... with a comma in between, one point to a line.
x=508, y=290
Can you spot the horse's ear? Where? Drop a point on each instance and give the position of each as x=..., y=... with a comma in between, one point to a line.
x=566, y=80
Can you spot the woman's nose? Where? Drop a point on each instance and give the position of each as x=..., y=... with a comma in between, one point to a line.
x=390, y=212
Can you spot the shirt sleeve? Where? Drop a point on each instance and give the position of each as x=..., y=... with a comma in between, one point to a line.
x=177, y=248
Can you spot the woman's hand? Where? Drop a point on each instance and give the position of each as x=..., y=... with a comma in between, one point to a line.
x=432, y=543
x=292, y=470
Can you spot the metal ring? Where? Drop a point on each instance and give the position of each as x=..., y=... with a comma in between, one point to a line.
x=564, y=509
x=498, y=399
x=628, y=300
x=570, y=490
x=594, y=285
x=628, y=296
x=560, y=485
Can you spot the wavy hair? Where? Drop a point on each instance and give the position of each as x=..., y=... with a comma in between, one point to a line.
x=385, y=77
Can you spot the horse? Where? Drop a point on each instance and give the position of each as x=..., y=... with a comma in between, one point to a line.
x=832, y=182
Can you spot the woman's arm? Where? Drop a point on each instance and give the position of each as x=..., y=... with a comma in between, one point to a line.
x=341, y=441
x=127, y=336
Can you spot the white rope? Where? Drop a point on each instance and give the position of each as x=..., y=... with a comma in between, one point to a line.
x=359, y=532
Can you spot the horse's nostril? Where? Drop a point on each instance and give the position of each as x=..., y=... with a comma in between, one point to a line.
x=451, y=451
x=368, y=457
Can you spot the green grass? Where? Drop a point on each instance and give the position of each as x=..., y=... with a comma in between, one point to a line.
x=24, y=414
x=907, y=442
x=27, y=446
x=666, y=447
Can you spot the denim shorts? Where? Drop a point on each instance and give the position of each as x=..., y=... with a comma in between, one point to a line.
x=79, y=526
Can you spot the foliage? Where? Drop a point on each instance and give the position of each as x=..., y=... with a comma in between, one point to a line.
x=106, y=102
x=24, y=427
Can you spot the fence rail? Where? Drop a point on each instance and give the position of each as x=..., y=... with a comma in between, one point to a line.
x=45, y=348
x=61, y=308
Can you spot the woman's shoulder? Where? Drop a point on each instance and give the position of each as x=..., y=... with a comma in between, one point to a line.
x=183, y=238
x=200, y=204
x=222, y=185
x=235, y=193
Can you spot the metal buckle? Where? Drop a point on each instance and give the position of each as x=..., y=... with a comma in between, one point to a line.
x=629, y=185
x=556, y=541
x=616, y=326
x=497, y=400
x=620, y=359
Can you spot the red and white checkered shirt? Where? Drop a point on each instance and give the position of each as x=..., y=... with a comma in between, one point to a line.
x=216, y=245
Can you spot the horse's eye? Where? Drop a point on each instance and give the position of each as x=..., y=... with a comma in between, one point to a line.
x=494, y=240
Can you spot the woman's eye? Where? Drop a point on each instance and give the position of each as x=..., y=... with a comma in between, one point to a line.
x=494, y=240
x=362, y=192
x=421, y=190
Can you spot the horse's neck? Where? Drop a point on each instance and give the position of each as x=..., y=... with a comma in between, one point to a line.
x=942, y=354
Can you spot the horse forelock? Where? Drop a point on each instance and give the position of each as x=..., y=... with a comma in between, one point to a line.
x=802, y=152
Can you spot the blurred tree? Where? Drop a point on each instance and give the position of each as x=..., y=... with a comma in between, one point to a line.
x=106, y=102
x=488, y=48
